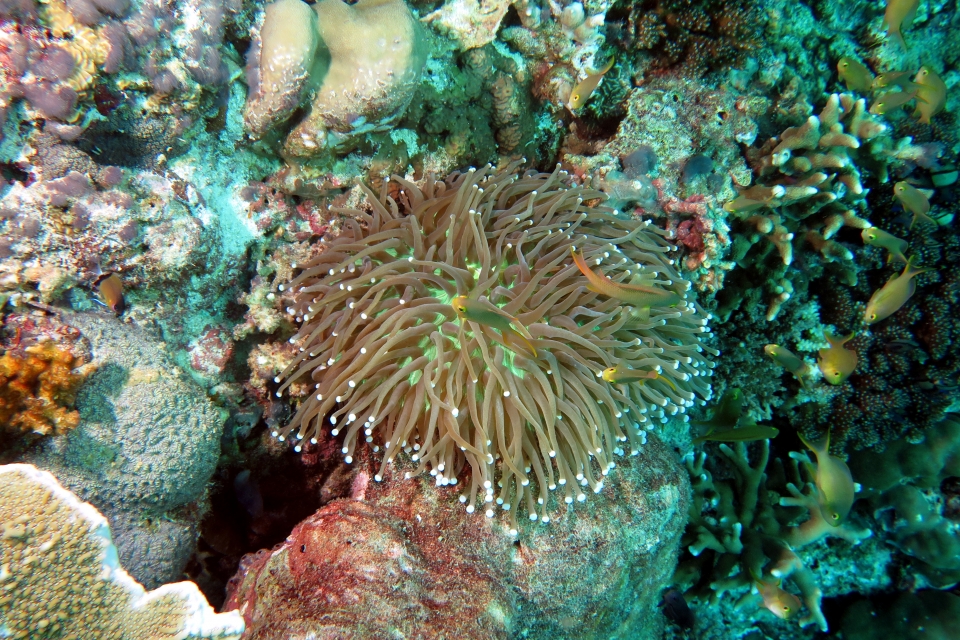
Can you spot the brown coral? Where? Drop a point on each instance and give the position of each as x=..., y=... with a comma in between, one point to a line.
x=38, y=389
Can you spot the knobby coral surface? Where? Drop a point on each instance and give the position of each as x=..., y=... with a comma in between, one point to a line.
x=512, y=389
x=62, y=579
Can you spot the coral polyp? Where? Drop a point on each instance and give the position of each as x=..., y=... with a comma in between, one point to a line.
x=507, y=381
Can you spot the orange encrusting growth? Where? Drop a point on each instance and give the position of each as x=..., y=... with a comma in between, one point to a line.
x=37, y=390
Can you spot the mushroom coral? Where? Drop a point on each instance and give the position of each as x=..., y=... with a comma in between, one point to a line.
x=514, y=393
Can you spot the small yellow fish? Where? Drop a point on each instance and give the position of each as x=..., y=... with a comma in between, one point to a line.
x=855, y=75
x=837, y=363
x=111, y=290
x=931, y=94
x=893, y=78
x=898, y=16
x=584, y=89
x=475, y=311
x=834, y=482
x=879, y=238
x=789, y=361
x=745, y=433
x=914, y=201
x=637, y=295
x=782, y=604
x=886, y=300
x=891, y=100
x=743, y=204
x=622, y=374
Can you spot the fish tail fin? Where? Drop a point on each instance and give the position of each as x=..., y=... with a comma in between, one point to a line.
x=896, y=35
x=581, y=263
x=836, y=341
x=820, y=447
x=912, y=270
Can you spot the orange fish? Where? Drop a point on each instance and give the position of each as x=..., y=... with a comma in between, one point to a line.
x=111, y=291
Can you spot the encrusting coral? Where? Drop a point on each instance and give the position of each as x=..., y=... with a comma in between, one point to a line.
x=37, y=390
x=61, y=577
x=450, y=322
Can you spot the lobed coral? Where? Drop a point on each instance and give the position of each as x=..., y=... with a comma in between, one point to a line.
x=62, y=578
x=385, y=353
x=360, y=63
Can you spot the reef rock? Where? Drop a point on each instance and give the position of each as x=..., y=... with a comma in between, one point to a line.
x=401, y=558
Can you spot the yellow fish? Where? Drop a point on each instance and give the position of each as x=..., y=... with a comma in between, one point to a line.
x=879, y=238
x=837, y=363
x=886, y=300
x=584, y=89
x=855, y=75
x=782, y=604
x=914, y=201
x=788, y=360
x=621, y=374
x=637, y=295
x=743, y=204
x=834, y=483
x=111, y=290
x=475, y=311
x=898, y=16
x=890, y=78
x=931, y=94
x=891, y=100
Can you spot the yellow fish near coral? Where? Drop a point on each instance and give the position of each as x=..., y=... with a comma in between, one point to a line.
x=780, y=603
x=914, y=201
x=898, y=16
x=895, y=246
x=789, y=361
x=475, y=311
x=891, y=100
x=886, y=300
x=855, y=75
x=585, y=88
x=637, y=295
x=622, y=374
x=837, y=363
x=899, y=78
x=931, y=94
x=834, y=483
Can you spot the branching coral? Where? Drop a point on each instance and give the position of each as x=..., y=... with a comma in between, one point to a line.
x=809, y=185
x=747, y=527
x=37, y=390
x=696, y=35
x=451, y=324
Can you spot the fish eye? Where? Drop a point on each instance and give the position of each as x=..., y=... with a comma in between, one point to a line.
x=835, y=516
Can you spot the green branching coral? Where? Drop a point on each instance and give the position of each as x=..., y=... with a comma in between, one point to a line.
x=507, y=381
x=748, y=527
x=902, y=484
x=809, y=185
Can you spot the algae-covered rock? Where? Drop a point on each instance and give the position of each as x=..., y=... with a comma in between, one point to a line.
x=401, y=558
